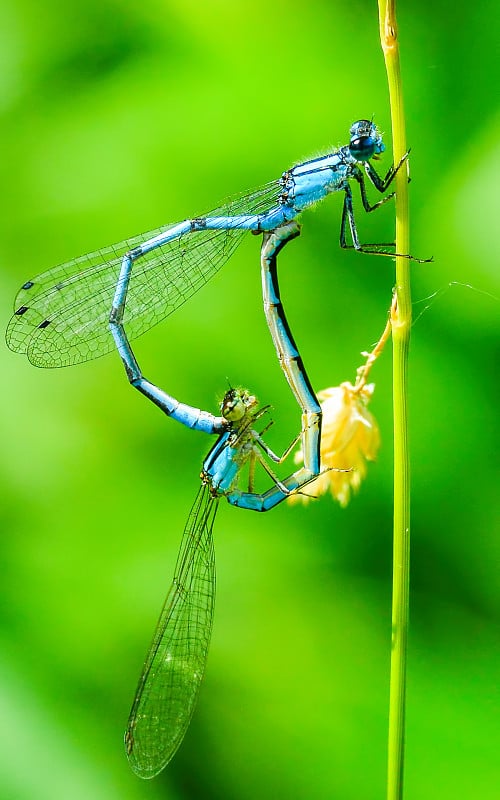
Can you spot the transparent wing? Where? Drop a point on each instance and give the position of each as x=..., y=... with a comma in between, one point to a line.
x=175, y=665
x=61, y=316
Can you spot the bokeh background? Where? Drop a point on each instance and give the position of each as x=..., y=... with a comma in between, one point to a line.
x=117, y=117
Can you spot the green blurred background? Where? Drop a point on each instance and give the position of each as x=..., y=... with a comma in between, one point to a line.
x=118, y=117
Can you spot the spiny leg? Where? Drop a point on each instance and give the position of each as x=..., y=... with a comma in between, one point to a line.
x=348, y=217
x=272, y=455
x=382, y=184
x=275, y=495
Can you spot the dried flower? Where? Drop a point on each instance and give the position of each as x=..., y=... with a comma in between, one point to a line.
x=350, y=437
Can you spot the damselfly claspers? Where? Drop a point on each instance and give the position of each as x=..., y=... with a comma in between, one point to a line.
x=61, y=316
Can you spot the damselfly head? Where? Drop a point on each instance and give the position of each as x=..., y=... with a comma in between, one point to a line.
x=366, y=140
x=236, y=403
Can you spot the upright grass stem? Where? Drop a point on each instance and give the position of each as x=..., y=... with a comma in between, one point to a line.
x=401, y=324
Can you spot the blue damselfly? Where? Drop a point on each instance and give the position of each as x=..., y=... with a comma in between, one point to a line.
x=61, y=315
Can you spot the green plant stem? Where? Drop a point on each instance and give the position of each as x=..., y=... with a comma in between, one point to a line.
x=401, y=325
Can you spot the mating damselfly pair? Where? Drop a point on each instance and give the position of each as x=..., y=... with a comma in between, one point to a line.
x=82, y=309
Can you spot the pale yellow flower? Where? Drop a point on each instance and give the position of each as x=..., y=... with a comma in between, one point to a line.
x=350, y=437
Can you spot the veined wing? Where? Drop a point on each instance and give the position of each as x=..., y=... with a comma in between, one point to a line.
x=175, y=665
x=61, y=317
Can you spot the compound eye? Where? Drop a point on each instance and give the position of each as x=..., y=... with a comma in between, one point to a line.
x=363, y=127
x=362, y=148
x=233, y=406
